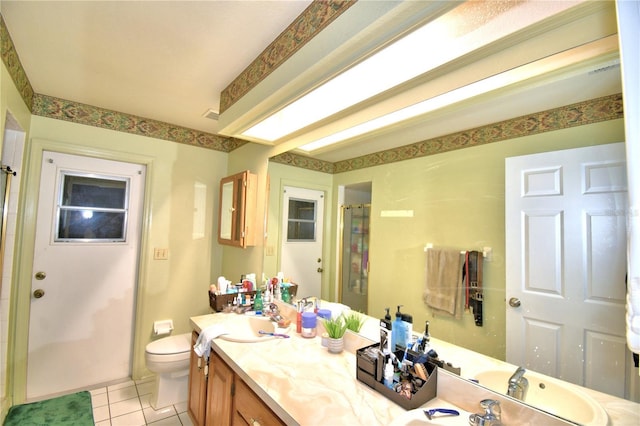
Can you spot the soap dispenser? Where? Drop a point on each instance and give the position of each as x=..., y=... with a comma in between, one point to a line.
x=398, y=333
x=385, y=333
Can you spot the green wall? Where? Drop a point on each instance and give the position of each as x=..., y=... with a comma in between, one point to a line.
x=174, y=288
x=458, y=202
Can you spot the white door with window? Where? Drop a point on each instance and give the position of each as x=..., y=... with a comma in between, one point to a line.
x=84, y=273
x=302, y=231
x=566, y=265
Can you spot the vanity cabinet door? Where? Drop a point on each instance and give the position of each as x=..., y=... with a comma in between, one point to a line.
x=219, y=392
x=250, y=410
x=237, y=214
x=198, y=368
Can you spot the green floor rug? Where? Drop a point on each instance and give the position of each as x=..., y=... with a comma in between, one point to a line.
x=74, y=409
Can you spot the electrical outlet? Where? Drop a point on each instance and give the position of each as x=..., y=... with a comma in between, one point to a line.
x=160, y=253
x=270, y=251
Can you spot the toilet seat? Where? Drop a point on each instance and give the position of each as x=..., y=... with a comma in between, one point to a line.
x=170, y=345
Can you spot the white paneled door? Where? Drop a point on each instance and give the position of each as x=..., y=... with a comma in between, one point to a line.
x=566, y=264
x=84, y=273
x=302, y=232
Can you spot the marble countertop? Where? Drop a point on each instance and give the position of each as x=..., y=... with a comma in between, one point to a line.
x=305, y=384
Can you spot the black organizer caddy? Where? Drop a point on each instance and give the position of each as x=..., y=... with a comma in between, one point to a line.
x=367, y=369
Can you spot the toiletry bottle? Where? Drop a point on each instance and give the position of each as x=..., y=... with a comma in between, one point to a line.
x=398, y=334
x=424, y=344
x=388, y=374
x=309, y=320
x=257, y=302
x=407, y=321
x=385, y=333
x=286, y=297
x=300, y=308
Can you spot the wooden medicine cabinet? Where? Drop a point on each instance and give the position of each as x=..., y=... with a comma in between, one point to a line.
x=237, y=215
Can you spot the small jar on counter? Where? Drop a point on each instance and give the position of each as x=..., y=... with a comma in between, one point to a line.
x=309, y=320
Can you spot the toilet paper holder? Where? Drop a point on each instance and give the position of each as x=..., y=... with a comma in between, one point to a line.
x=162, y=327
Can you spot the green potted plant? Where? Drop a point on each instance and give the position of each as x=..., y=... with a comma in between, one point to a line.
x=335, y=328
x=354, y=321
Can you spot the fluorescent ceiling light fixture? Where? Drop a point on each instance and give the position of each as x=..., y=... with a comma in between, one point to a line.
x=458, y=32
x=469, y=91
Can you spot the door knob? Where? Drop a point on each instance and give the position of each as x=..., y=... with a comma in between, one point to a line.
x=38, y=293
x=41, y=275
x=320, y=269
x=514, y=302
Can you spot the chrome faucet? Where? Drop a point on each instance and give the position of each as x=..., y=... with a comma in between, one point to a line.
x=518, y=384
x=491, y=416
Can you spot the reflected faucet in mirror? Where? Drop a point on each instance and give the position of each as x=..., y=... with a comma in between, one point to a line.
x=518, y=384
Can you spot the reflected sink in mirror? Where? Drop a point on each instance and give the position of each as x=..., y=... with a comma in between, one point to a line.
x=549, y=395
x=246, y=329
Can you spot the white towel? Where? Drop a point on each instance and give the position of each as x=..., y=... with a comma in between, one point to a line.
x=203, y=344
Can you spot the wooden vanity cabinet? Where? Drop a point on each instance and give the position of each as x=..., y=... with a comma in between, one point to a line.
x=219, y=392
x=218, y=397
x=248, y=408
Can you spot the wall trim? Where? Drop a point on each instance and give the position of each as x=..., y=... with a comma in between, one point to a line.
x=578, y=114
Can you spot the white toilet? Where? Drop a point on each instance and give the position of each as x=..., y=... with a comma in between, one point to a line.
x=168, y=358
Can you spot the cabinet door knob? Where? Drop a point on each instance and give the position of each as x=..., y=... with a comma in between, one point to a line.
x=38, y=293
x=320, y=269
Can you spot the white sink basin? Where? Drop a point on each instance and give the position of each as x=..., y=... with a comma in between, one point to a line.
x=549, y=395
x=246, y=329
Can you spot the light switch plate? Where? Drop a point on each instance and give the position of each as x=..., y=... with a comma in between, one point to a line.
x=160, y=253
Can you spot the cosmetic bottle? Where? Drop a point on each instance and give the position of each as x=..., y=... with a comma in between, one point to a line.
x=398, y=333
x=388, y=374
x=385, y=333
x=407, y=321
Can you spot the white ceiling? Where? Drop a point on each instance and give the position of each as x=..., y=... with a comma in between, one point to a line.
x=166, y=60
x=170, y=60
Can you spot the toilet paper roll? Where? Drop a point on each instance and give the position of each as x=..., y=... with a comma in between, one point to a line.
x=161, y=328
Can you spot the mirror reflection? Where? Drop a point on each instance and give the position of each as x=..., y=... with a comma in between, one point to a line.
x=456, y=199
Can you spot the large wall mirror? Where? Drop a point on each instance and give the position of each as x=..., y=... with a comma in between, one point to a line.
x=449, y=178
x=456, y=199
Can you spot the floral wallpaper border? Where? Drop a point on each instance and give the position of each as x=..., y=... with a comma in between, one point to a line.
x=314, y=19
x=14, y=66
x=579, y=114
x=591, y=111
x=62, y=109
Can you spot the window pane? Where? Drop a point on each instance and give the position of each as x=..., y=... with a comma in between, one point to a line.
x=301, y=225
x=81, y=191
x=302, y=209
x=88, y=224
x=301, y=231
x=92, y=209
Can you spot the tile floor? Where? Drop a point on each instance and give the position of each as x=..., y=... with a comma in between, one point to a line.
x=127, y=404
